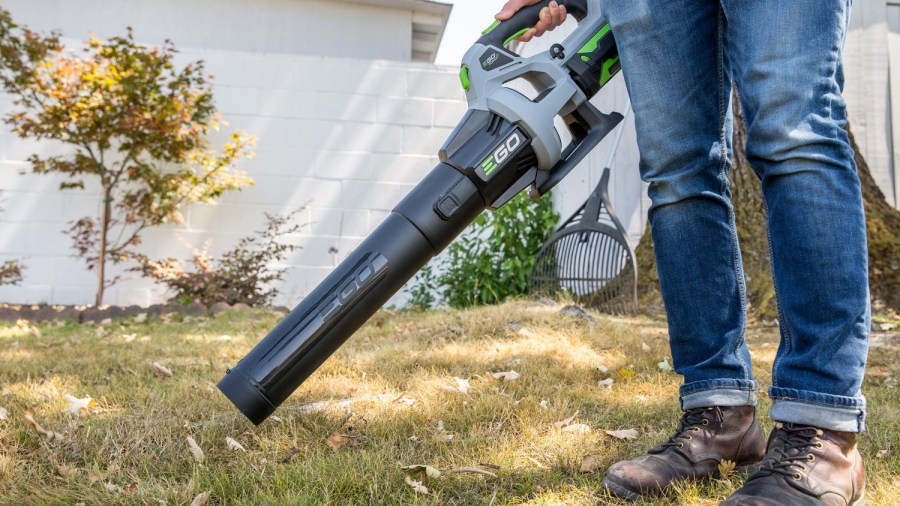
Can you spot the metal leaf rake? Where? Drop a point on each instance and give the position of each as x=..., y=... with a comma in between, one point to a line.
x=588, y=257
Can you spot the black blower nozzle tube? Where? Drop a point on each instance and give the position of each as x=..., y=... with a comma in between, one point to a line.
x=424, y=223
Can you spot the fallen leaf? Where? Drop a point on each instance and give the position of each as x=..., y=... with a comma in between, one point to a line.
x=4, y=414
x=418, y=469
x=113, y=488
x=608, y=383
x=544, y=404
x=416, y=485
x=623, y=434
x=276, y=418
x=403, y=399
x=562, y=423
x=195, y=449
x=626, y=374
x=882, y=454
x=590, y=463
x=506, y=376
x=66, y=471
x=49, y=434
x=462, y=385
x=161, y=370
x=337, y=441
x=77, y=404
x=664, y=366
x=201, y=499
x=129, y=337
x=443, y=437
x=131, y=488
x=645, y=347
x=577, y=428
x=140, y=318
x=473, y=470
x=234, y=445
x=726, y=468
x=603, y=369
x=24, y=327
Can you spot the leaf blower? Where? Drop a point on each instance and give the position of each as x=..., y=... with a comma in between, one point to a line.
x=505, y=143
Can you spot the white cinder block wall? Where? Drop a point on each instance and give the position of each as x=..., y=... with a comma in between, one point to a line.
x=346, y=137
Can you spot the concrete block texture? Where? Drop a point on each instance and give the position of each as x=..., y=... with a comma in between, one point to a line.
x=346, y=139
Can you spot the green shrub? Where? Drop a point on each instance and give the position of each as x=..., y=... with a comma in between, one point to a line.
x=492, y=260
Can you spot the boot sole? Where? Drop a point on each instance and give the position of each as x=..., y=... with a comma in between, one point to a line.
x=620, y=491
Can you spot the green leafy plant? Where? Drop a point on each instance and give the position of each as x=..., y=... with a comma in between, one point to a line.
x=492, y=261
x=137, y=126
x=11, y=272
x=422, y=290
x=245, y=274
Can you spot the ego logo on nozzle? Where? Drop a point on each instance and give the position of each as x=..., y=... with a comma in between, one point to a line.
x=353, y=286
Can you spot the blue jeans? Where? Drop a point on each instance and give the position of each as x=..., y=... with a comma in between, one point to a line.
x=680, y=60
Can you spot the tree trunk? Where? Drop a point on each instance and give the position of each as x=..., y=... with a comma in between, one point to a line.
x=883, y=235
x=101, y=257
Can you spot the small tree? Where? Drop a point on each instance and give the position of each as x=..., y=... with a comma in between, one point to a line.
x=138, y=126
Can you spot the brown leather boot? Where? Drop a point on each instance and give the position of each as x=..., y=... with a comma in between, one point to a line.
x=704, y=437
x=806, y=466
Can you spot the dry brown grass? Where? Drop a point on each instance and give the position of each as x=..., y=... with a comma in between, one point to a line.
x=387, y=391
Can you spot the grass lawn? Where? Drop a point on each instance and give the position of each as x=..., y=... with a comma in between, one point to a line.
x=387, y=399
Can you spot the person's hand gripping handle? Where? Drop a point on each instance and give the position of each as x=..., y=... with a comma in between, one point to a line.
x=525, y=19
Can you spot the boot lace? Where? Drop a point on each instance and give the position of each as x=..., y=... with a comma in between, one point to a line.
x=690, y=422
x=790, y=450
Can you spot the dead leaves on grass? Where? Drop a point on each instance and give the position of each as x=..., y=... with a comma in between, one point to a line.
x=590, y=463
x=195, y=450
x=417, y=474
x=336, y=441
x=506, y=376
x=726, y=468
x=623, y=433
x=234, y=445
x=161, y=370
x=201, y=499
x=79, y=404
x=49, y=435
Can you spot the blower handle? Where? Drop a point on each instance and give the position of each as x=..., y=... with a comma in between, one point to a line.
x=501, y=33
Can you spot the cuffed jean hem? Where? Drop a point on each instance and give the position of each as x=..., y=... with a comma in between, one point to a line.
x=722, y=392
x=843, y=414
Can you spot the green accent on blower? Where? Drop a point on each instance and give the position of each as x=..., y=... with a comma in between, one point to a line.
x=607, y=72
x=490, y=29
x=488, y=165
x=591, y=45
x=516, y=35
x=464, y=78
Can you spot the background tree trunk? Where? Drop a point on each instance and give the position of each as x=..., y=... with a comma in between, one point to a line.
x=883, y=235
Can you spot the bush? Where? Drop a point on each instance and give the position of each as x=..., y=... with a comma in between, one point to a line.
x=11, y=273
x=244, y=274
x=492, y=260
